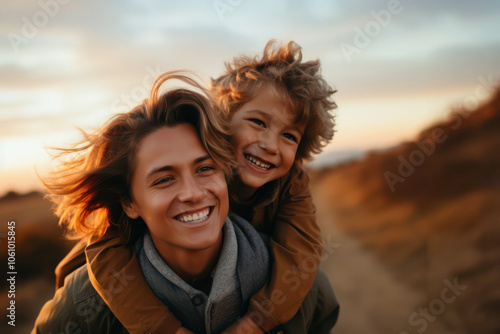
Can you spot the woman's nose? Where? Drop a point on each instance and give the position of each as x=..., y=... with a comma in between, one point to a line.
x=192, y=190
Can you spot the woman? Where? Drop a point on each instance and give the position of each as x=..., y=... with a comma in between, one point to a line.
x=157, y=175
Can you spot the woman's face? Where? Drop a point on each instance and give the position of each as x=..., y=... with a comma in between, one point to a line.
x=178, y=190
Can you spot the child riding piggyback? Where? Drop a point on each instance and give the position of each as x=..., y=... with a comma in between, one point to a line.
x=279, y=111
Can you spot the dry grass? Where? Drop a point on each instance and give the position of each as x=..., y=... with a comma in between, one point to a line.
x=39, y=247
x=442, y=222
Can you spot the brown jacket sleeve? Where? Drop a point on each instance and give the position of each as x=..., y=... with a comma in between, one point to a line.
x=71, y=262
x=296, y=249
x=116, y=275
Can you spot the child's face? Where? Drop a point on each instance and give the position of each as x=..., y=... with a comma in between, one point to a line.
x=265, y=139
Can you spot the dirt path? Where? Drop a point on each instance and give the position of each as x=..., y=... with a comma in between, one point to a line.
x=371, y=300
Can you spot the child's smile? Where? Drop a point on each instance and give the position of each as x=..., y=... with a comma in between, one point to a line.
x=258, y=163
x=265, y=139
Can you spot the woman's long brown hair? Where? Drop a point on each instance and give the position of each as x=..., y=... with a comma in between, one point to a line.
x=94, y=175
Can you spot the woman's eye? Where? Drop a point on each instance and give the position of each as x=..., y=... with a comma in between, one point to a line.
x=163, y=180
x=290, y=136
x=205, y=169
x=257, y=121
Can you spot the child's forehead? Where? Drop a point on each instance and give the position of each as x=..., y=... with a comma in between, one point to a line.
x=279, y=100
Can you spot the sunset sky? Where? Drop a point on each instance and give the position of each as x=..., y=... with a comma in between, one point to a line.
x=397, y=65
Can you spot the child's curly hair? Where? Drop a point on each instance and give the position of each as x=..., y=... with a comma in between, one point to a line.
x=298, y=84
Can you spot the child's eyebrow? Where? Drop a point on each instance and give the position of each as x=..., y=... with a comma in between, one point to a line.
x=260, y=112
x=266, y=115
x=296, y=128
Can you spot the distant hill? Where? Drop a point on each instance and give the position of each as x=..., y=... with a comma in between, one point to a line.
x=334, y=158
x=12, y=195
x=430, y=209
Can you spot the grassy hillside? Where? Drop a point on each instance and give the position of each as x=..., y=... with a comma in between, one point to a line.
x=39, y=247
x=430, y=210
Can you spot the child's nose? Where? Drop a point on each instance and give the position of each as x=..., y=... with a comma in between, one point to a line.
x=269, y=142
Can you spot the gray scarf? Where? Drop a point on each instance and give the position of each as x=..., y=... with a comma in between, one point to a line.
x=242, y=269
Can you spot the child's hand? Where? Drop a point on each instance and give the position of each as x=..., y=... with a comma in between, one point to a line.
x=244, y=325
x=183, y=330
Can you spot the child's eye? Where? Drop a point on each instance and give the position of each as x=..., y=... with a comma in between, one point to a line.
x=258, y=122
x=290, y=136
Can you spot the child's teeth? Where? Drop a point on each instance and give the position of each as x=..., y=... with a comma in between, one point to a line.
x=258, y=163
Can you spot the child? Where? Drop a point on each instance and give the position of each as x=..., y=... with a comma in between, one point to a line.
x=278, y=109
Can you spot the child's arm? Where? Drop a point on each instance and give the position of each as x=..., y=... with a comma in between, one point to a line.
x=116, y=275
x=72, y=261
x=296, y=248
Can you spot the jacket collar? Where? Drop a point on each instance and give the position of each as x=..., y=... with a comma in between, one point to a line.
x=269, y=192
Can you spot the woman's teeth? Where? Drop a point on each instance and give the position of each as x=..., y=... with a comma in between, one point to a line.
x=194, y=218
x=257, y=163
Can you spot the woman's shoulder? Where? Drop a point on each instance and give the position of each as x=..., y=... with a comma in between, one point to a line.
x=75, y=307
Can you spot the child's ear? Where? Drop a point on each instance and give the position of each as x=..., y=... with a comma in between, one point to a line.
x=129, y=207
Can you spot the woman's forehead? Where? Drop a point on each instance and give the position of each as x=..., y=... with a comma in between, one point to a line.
x=169, y=146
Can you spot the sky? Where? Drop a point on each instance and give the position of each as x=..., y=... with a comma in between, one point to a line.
x=398, y=65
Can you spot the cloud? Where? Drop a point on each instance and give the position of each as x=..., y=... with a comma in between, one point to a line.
x=93, y=52
x=453, y=67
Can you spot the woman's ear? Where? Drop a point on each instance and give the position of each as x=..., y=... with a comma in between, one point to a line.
x=129, y=208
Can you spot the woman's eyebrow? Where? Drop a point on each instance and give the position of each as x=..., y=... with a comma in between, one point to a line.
x=158, y=170
x=201, y=159
x=168, y=168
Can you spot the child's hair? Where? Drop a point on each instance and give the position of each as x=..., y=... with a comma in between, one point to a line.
x=298, y=84
x=88, y=188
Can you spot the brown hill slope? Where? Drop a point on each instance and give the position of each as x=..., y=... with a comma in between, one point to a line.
x=39, y=246
x=430, y=210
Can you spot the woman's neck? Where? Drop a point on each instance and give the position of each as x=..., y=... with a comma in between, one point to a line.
x=191, y=265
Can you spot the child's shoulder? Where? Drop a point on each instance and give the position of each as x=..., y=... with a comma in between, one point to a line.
x=296, y=181
x=297, y=172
